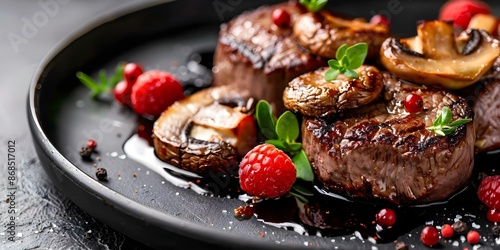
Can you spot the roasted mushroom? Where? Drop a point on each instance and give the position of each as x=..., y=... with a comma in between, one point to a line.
x=436, y=57
x=207, y=131
x=311, y=95
x=322, y=33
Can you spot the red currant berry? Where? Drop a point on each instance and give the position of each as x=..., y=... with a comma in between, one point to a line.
x=131, y=71
x=386, y=217
x=413, y=103
x=122, y=93
x=429, y=236
x=281, y=18
x=493, y=215
x=447, y=231
x=91, y=144
x=380, y=19
x=473, y=237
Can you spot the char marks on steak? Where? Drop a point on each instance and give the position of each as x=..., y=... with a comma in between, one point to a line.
x=253, y=53
x=381, y=151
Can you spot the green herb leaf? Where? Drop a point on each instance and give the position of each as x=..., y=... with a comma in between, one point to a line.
x=279, y=144
x=266, y=120
x=104, y=84
x=282, y=133
x=313, y=5
x=341, y=51
x=443, y=126
x=331, y=74
x=356, y=55
x=351, y=74
x=303, y=167
x=295, y=146
x=347, y=60
x=301, y=189
x=446, y=115
x=287, y=127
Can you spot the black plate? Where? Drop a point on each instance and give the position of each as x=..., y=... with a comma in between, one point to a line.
x=146, y=207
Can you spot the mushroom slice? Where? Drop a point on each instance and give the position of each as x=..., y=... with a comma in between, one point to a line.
x=208, y=131
x=436, y=57
x=311, y=95
x=322, y=33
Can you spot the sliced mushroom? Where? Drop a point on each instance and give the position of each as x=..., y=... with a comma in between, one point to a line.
x=208, y=131
x=436, y=57
x=311, y=95
x=322, y=33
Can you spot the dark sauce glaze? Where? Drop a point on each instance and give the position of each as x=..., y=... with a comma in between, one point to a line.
x=325, y=213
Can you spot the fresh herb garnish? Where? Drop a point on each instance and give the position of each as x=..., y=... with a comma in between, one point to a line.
x=103, y=84
x=313, y=5
x=348, y=59
x=282, y=133
x=443, y=125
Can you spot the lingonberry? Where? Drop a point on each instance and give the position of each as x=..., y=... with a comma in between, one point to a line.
x=380, y=19
x=413, y=103
x=281, y=18
x=386, y=217
x=447, y=231
x=429, y=236
x=473, y=237
x=91, y=144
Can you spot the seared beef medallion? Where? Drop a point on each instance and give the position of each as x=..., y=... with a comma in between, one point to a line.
x=381, y=151
x=485, y=97
x=207, y=131
x=255, y=54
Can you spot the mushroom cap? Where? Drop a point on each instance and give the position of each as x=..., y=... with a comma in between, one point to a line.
x=311, y=95
x=200, y=132
x=436, y=57
x=322, y=33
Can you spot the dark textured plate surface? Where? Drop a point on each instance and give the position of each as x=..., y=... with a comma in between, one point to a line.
x=139, y=202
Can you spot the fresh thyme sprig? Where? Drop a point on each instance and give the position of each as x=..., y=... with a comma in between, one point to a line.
x=103, y=84
x=443, y=125
x=347, y=60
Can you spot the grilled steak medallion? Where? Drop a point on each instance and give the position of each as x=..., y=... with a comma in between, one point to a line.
x=253, y=53
x=487, y=112
x=311, y=95
x=381, y=151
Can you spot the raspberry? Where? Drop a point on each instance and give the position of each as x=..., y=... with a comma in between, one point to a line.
x=154, y=91
x=489, y=191
x=461, y=11
x=493, y=215
x=267, y=172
